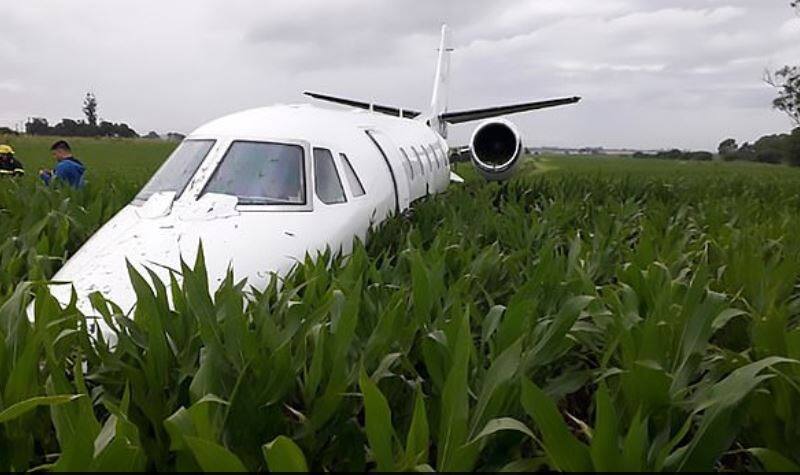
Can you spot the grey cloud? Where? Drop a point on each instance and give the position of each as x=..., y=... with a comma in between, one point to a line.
x=667, y=73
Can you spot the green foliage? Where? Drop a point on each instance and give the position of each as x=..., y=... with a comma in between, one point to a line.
x=283, y=455
x=605, y=315
x=90, y=108
x=771, y=149
x=42, y=226
x=124, y=162
x=676, y=154
x=787, y=83
x=727, y=147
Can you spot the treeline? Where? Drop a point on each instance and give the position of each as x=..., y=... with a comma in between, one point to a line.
x=775, y=149
x=78, y=128
x=676, y=154
x=91, y=127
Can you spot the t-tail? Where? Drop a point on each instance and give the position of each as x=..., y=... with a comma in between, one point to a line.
x=441, y=83
x=495, y=146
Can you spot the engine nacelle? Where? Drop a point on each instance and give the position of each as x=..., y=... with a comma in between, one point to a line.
x=496, y=149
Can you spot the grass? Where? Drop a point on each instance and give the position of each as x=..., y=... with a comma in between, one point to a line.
x=663, y=169
x=605, y=314
x=132, y=160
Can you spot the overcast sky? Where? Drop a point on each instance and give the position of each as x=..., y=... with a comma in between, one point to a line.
x=652, y=73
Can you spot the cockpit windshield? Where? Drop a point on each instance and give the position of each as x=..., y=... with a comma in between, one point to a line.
x=178, y=170
x=261, y=173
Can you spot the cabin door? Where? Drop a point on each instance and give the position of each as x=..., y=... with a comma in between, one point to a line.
x=394, y=162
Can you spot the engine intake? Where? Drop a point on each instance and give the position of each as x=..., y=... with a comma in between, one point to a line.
x=496, y=149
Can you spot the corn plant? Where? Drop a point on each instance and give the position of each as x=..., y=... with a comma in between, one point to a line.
x=571, y=320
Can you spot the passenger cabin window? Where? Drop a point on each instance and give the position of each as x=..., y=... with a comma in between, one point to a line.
x=326, y=179
x=178, y=170
x=435, y=156
x=419, y=160
x=355, y=184
x=415, y=163
x=407, y=163
x=427, y=157
x=261, y=173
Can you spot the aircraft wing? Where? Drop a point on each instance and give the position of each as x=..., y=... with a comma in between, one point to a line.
x=390, y=110
x=478, y=114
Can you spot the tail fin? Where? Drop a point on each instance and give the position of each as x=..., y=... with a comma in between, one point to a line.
x=441, y=83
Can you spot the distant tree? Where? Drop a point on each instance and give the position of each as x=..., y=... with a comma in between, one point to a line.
x=674, y=154
x=175, y=136
x=770, y=156
x=787, y=82
x=78, y=128
x=776, y=148
x=699, y=156
x=747, y=152
x=37, y=126
x=793, y=148
x=773, y=146
x=8, y=131
x=90, y=109
x=123, y=130
x=152, y=135
x=73, y=128
x=727, y=147
x=105, y=129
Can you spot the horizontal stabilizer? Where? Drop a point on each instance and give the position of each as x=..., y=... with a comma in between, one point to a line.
x=389, y=110
x=478, y=114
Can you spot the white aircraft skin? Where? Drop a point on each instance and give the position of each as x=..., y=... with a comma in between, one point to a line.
x=256, y=240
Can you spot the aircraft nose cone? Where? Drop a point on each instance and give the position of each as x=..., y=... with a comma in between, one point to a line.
x=253, y=246
x=101, y=264
x=105, y=270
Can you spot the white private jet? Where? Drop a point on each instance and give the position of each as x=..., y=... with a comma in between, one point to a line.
x=263, y=187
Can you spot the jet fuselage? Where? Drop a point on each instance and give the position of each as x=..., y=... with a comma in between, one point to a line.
x=345, y=171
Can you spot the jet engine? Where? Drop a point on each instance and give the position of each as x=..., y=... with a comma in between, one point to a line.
x=496, y=149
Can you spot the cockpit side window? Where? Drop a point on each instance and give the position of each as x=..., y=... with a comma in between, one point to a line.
x=261, y=173
x=327, y=183
x=355, y=183
x=176, y=173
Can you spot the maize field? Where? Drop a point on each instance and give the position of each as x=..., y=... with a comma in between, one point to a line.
x=591, y=314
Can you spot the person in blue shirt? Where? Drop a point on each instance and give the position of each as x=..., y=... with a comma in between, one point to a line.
x=68, y=169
